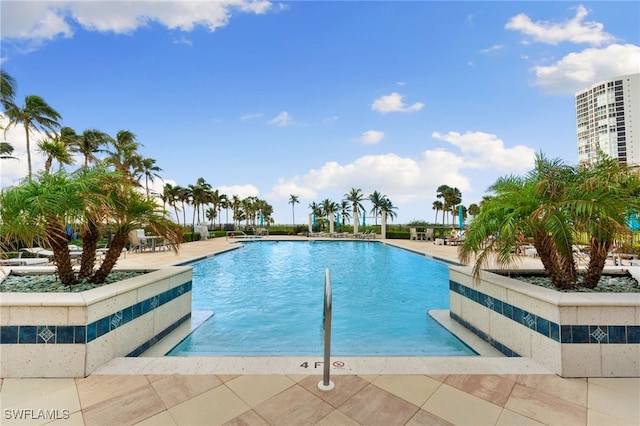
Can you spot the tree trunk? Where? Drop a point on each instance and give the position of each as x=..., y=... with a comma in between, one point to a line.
x=560, y=270
x=113, y=254
x=597, y=258
x=90, y=240
x=57, y=239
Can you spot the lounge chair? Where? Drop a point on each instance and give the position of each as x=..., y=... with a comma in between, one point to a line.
x=457, y=239
x=18, y=260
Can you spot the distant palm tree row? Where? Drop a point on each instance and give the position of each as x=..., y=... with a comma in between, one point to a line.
x=208, y=204
x=352, y=203
x=450, y=204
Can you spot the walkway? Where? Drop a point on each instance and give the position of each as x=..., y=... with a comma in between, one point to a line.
x=268, y=391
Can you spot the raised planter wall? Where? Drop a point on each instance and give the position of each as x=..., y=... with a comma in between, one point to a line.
x=72, y=334
x=572, y=334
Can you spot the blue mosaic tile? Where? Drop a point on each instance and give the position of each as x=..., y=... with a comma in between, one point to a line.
x=543, y=327
x=580, y=334
x=508, y=310
x=46, y=334
x=529, y=320
x=598, y=334
x=565, y=334
x=127, y=315
x=28, y=334
x=91, y=332
x=80, y=334
x=65, y=334
x=115, y=320
x=633, y=334
x=497, y=306
x=102, y=326
x=554, y=331
x=136, y=310
x=617, y=334
x=9, y=334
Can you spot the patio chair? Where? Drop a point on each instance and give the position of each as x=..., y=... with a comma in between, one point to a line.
x=428, y=234
x=413, y=234
x=138, y=243
x=16, y=259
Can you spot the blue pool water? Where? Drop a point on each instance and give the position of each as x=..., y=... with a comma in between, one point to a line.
x=268, y=301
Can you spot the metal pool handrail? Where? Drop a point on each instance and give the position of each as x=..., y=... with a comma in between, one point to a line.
x=326, y=384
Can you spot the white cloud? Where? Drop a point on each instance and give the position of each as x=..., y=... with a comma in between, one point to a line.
x=574, y=30
x=371, y=137
x=251, y=116
x=486, y=151
x=579, y=70
x=40, y=21
x=283, y=119
x=12, y=171
x=393, y=103
x=242, y=191
x=493, y=48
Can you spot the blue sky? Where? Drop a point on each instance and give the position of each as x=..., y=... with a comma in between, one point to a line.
x=315, y=98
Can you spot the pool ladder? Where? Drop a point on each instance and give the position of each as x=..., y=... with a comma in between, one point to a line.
x=326, y=384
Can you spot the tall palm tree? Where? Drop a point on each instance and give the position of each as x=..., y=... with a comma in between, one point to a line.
x=377, y=199
x=437, y=206
x=55, y=149
x=170, y=197
x=200, y=194
x=149, y=170
x=88, y=144
x=388, y=207
x=184, y=197
x=329, y=207
x=293, y=200
x=355, y=197
x=216, y=200
x=35, y=115
x=124, y=155
x=344, y=211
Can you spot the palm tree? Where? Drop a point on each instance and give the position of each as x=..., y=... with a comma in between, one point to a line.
x=329, y=207
x=388, y=207
x=200, y=194
x=553, y=204
x=344, y=211
x=293, y=200
x=88, y=144
x=355, y=197
x=211, y=214
x=148, y=169
x=442, y=192
x=377, y=199
x=35, y=115
x=37, y=211
x=6, y=149
x=7, y=90
x=184, y=197
x=170, y=197
x=437, y=206
x=55, y=149
x=216, y=200
x=473, y=209
x=125, y=156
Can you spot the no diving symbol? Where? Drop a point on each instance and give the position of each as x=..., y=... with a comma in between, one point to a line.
x=338, y=364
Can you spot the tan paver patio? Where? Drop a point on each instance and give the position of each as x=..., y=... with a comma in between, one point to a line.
x=154, y=391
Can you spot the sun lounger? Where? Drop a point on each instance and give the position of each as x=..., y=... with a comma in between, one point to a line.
x=23, y=261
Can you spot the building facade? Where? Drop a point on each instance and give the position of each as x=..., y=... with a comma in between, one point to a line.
x=607, y=114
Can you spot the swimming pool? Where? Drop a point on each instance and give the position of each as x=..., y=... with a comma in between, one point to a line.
x=267, y=299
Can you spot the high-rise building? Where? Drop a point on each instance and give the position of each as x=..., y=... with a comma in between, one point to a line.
x=608, y=115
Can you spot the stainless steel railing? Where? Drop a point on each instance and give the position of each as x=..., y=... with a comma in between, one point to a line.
x=326, y=384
